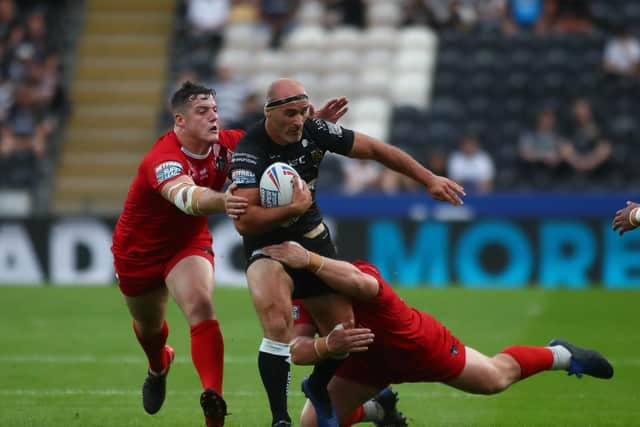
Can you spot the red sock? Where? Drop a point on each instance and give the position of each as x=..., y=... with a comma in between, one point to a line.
x=531, y=359
x=153, y=346
x=207, y=353
x=356, y=417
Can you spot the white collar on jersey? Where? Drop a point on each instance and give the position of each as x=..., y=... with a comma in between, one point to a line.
x=196, y=156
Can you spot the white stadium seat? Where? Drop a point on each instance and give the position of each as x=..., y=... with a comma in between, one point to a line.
x=417, y=38
x=384, y=14
x=344, y=38
x=370, y=109
x=413, y=60
x=372, y=128
x=310, y=13
x=379, y=38
x=238, y=60
x=245, y=36
x=303, y=38
x=410, y=89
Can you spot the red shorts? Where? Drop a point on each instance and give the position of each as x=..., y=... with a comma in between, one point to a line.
x=439, y=357
x=136, y=278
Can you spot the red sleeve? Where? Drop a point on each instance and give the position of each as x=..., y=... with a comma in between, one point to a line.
x=300, y=314
x=161, y=169
x=230, y=137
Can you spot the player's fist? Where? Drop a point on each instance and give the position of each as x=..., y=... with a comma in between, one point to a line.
x=302, y=199
x=345, y=339
x=627, y=218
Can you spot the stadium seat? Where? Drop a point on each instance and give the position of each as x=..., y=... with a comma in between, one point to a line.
x=384, y=14
x=374, y=82
x=343, y=60
x=380, y=38
x=311, y=13
x=413, y=60
x=339, y=83
x=270, y=61
x=417, y=38
x=303, y=38
x=245, y=37
x=238, y=60
x=376, y=129
x=370, y=108
x=344, y=38
x=411, y=89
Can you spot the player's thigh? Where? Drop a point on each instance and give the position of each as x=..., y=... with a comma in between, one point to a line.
x=308, y=415
x=270, y=287
x=328, y=310
x=347, y=395
x=269, y=284
x=148, y=309
x=479, y=373
x=190, y=283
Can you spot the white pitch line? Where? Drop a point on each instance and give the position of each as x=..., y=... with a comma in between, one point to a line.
x=131, y=360
x=440, y=392
x=117, y=360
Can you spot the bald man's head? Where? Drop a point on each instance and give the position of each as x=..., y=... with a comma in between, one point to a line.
x=284, y=88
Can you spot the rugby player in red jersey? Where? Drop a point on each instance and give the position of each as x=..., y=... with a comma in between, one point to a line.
x=162, y=245
x=382, y=409
x=412, y=346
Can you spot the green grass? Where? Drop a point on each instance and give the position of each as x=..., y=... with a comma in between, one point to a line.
x=68, y=357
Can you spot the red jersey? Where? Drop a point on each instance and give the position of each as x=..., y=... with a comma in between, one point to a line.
x=409, y=346
x=152, y=228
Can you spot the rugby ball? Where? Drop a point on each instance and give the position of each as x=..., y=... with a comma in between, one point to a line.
x=276, y=185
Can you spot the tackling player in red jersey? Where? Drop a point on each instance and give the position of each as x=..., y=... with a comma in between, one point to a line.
x=382, y=409
x=412, y=346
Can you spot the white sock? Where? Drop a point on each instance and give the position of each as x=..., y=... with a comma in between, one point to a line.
x=372, y=411
x=561, y=357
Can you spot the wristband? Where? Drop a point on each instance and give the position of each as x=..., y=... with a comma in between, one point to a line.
x=320, y=347
x=634, y=217
x=316, y=262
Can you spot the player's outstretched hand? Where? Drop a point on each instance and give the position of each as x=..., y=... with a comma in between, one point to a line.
x=291, y=254
x=346, y=338
x=446, y=190
x=302, y=199
x=234, y=206
x=333, y=109
x=622, y=222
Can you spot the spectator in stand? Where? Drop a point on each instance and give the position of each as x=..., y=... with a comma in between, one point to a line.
x=471, y=165
x=523, y=15
x=360, y=175
x=345, y=12
x=206, y=20
x=572, y=16
x=252, y=112
x=539, y=150
x=230, y=94
x=589, y=151
x=8, y=18
x=622, y=55
x=279, y=16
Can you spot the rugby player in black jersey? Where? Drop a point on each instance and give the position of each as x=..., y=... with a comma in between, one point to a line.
x=288, y=134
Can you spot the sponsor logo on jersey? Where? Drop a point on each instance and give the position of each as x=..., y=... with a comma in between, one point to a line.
x=243, y=176
x=296, y=312
x=334, y=129
x=168, y=170
x=305, y=142
x=244, y=158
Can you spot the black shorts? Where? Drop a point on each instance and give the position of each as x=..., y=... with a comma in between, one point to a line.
x=306, y=284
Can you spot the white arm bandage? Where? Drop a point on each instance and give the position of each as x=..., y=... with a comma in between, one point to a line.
x=186, y=197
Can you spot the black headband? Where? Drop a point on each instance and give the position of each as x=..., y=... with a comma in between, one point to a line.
x=282, y=101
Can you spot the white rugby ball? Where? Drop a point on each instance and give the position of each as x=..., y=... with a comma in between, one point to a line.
x=276, y=185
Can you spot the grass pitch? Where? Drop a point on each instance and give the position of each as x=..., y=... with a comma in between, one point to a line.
x=68, y=357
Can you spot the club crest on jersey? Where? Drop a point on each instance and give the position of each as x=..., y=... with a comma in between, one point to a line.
x=167, y=170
